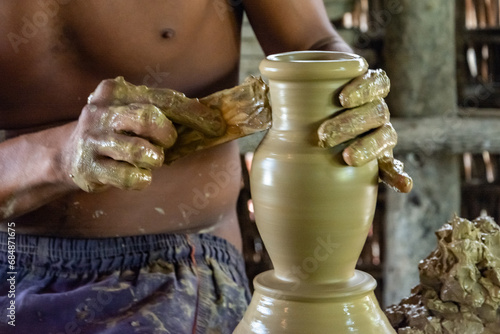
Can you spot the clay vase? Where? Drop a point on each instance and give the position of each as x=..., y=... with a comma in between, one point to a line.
x=312, y=210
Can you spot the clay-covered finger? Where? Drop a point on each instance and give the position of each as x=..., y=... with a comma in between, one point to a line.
x=363, y=89
x=370, y=146
x=122, y=175
x=143, y=120
x=192, y=113
x=353, y=122
x=175, y=105
x=391, y=172
x=136, y=151
x=104, y=93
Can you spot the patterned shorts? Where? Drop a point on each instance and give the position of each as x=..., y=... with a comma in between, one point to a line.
x=150, y=284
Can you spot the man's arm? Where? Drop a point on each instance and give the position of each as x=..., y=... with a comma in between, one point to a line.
x=291, y=25
x=30, y=172
x=117, y=141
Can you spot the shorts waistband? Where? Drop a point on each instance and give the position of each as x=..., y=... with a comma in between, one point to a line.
x=108, y=254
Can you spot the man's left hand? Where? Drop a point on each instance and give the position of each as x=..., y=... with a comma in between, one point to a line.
x=365, y=124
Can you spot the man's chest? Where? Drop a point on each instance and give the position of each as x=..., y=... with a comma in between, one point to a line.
x=113, y=33
x=54, y=52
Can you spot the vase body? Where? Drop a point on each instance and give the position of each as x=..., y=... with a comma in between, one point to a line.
x=312, y=210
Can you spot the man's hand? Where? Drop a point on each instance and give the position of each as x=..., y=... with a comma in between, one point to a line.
x=122, y=132
x=365, y=123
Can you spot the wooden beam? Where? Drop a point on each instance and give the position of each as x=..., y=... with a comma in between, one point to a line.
x=433, y=135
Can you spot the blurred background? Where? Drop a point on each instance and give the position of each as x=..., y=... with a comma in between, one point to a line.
x=443, y=58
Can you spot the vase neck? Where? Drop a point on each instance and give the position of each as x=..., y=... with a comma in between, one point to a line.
x=298, y=105
x=304, y=85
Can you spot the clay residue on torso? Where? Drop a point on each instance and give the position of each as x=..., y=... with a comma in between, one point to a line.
x=459, y=290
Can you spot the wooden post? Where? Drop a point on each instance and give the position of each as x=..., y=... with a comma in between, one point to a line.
x=420, y=58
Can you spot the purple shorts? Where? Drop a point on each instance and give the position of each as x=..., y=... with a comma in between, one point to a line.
x=149, y=284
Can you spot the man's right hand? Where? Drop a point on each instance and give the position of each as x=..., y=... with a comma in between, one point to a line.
x=122, y=132
x=117, y=141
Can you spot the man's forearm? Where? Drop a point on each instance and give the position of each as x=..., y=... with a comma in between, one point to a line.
x=30, y=172
x=332, y=43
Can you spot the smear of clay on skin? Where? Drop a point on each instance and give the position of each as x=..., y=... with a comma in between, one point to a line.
x=160, y=211
x=360, y=90
x=98, y=213
x=121, y=286
x=459, y=290
x=8, y=209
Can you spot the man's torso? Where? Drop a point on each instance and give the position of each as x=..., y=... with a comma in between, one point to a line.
x=53, y=53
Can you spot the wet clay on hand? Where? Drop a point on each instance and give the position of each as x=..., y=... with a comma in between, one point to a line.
x=174, y=105
x=353, y=122
x=365, y=126
x=362, y=89
x=122, y=133
x=459, y=290
x=391, y=172
x=202, y=123
x=118, y=140
x=245, y=109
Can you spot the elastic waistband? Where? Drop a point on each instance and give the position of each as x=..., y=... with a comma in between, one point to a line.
x=108, y=254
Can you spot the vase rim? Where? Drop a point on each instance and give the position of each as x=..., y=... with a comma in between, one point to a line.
x=313, y=56
x=313, y=65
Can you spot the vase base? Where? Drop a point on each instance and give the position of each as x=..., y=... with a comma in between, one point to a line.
x=349, y=306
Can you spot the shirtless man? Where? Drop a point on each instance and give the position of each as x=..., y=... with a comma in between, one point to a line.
x=110, y=257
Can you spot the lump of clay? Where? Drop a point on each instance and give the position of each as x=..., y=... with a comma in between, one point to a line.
x=459, y=290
